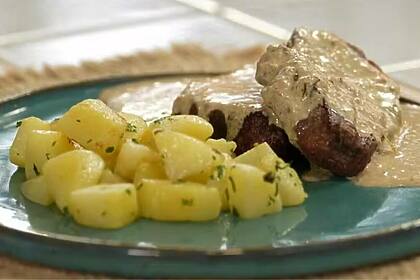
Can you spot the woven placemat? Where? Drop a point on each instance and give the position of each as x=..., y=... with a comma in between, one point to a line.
x=188, y=58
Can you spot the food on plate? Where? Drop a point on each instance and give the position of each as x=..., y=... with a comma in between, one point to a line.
x=17, y=151
x=178, y=201
x=234, y=106
x=71, y=171
x=168, y=169
x=95, y=127
x=104, y=206
x=334, y=104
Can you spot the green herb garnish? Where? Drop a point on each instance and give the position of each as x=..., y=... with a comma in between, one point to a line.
x=269, y=177
x=220, y=171
x=88, y=141
x=187, y=202
x=18, y=123
x=232, y=182
x=131, y=127
x=110, y=149
x=36, y=170
x=139, y=186
x=135, y=140
x=53, y=143
x=128, y=191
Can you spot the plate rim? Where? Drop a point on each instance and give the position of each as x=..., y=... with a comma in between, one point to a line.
x=150, y=251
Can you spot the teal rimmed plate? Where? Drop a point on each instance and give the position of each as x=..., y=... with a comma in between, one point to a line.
x=339, y=226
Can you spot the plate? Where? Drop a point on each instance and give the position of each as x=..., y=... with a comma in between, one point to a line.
x=339, y=226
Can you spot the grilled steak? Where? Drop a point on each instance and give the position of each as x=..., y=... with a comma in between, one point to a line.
x=233, y=105
x=334, y=104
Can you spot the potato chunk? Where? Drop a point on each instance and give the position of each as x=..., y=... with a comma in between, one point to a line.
x=18, y=149
x=183, y=155
x=36, y=191
x=249, y=194
x=222, y=145
x=71, y=171
x=289, y=183
x=149, y=170
x=186, y=201
x=193, y=126
x=131, y=154
x=109, y=177
x=94, y=126
x=104, y=206
x=135, y=127
x=42, y=146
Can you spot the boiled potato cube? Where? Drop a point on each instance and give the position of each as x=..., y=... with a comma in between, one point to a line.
x=36, y=191
x=71, y=171
x=183, y=201
x=135, y=127
x=131, y=154
x=193, y=126
x=94, y=126
x=289, y=183
x=250, y=194
x=253, y=157
x=222, y=145
x=104, y=206
x=42, y=146
x=183, y=155
x=109, y=177
x=149, y=170
x=219, y=180
x=291, y=188
x=17, y=151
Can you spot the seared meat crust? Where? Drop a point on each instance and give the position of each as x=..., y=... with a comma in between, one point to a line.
x=333, y=143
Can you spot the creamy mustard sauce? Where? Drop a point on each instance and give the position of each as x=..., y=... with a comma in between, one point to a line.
x=321, y=68
x=399, y=166
x=151, y=99
x=236, y=95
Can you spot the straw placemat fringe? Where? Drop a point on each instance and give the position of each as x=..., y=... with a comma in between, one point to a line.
x=187, y=58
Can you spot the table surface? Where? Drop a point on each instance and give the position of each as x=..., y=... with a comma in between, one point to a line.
x=68, y=32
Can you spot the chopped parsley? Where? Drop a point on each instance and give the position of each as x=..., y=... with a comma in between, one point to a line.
x=139, y=186
x=88, y=141
x=220, y=171
x=269, y=177
x=276, y=193
x=66, y=211
x=110, y=149
x=232, y=182
x=36, y=170
x=47, y=155
x=131, y=127
x=227, y=194
x=135, y=140
x=78, y=121
x=53, y=143
x=18, y=123
x=187, y=202
x=271, y=200
x=128, y=191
